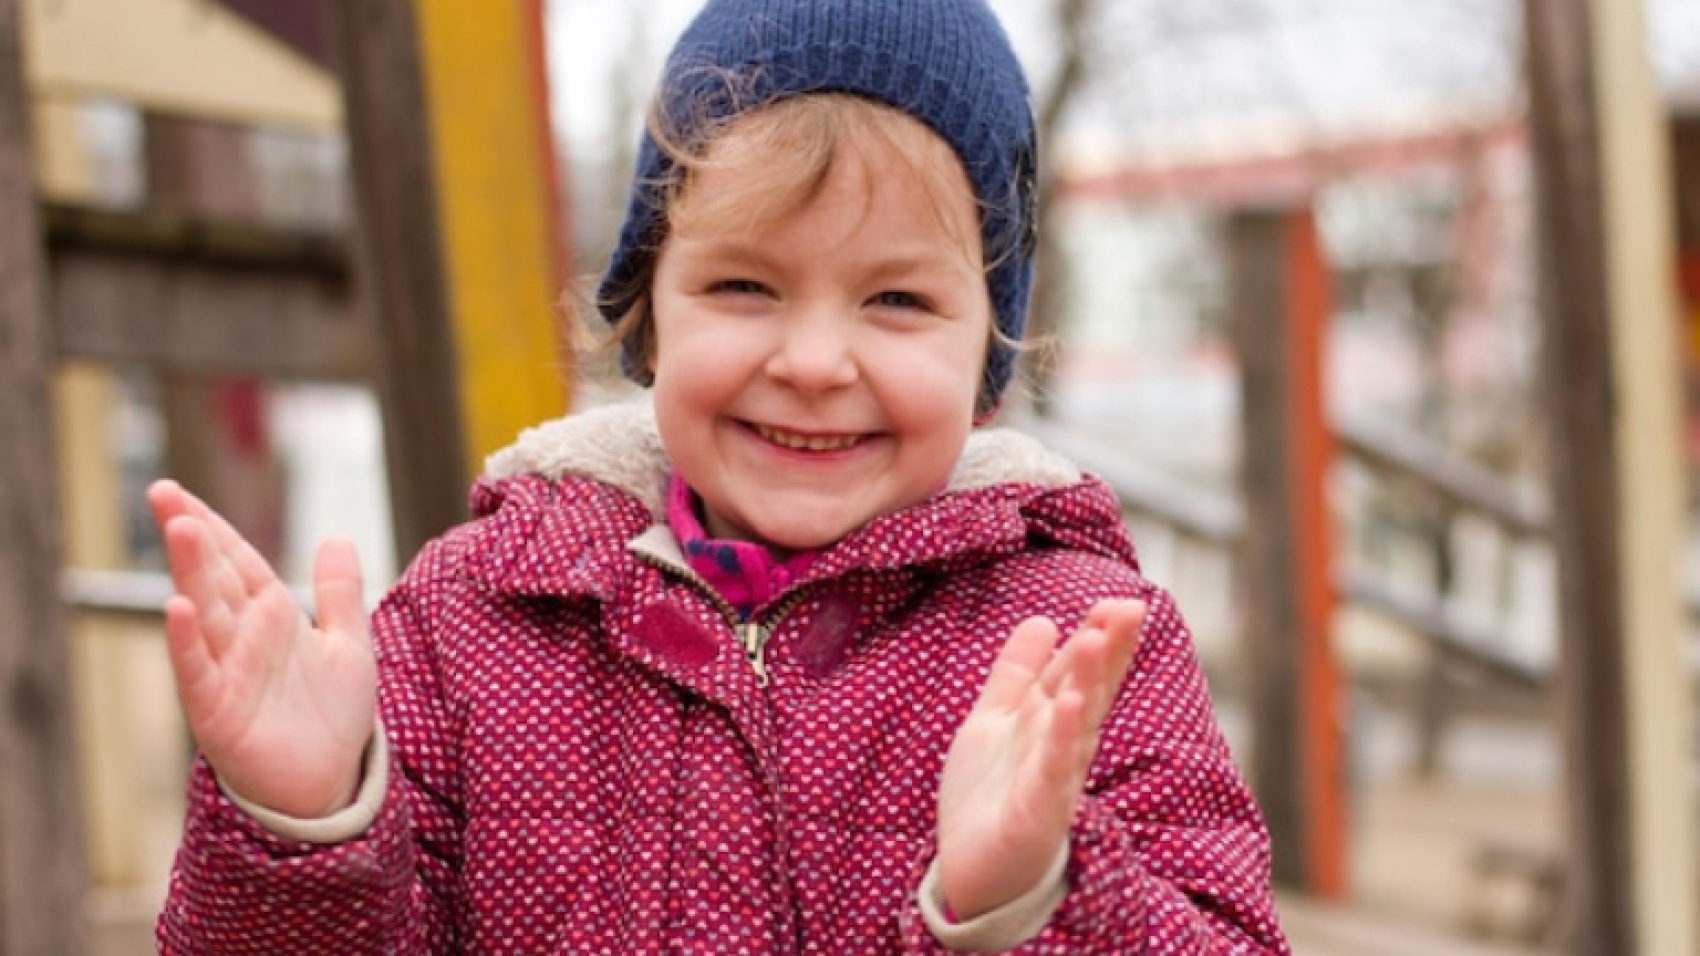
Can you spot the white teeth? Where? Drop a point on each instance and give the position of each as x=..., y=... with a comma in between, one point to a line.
x=807, y=442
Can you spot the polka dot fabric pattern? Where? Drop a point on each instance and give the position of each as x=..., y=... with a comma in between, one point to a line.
x=583, y=760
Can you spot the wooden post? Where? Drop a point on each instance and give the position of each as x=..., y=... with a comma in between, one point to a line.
x=42, y=869
x=1610, y=357
x=1281, y=305
x=399, y=270
x=461, y=249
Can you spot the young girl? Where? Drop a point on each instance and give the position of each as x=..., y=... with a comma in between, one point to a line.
x=770, y=662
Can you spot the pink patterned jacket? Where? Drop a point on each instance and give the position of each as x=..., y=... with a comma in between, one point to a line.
x=586, y=755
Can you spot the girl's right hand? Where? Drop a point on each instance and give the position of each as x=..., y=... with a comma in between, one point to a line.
x=283, y=710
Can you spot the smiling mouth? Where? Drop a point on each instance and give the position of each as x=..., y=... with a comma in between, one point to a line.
x=800, y=442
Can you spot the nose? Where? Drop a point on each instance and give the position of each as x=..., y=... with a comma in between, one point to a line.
x=816, y=349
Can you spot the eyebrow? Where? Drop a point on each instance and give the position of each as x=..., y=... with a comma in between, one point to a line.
x=902, y=261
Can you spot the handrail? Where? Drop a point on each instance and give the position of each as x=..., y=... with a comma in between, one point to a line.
x=228, y=242
x=1455, y=638
x=130, y=594
x=1217, y=521
x=1407, y=456
x=1214, y=519
x=136, y=595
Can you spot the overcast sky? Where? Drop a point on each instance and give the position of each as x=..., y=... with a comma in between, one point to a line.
x=1171, y=71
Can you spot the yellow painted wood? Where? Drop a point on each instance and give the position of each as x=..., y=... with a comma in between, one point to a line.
x=1646, y=350
x=488, y=126
x=179, y=56
x=82, y=401
x=131, y=754
x=63, y=168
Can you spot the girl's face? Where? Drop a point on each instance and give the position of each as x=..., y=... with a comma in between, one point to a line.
x=818, y=368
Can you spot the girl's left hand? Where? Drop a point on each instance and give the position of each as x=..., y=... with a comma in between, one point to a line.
x=1017, y=768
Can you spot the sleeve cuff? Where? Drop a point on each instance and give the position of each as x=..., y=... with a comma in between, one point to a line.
x=1006, y=927
x=339, y=827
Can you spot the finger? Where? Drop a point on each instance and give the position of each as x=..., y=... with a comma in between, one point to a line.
x=212, y=590
x=1103, y=650
x=1116, y=614
x=1084, y=651
x=337, y=589
x=170, y=503
x=1124, y=630
x=196, y=672
x=1022, y=659
x=1089, y=638
x=1058, y=771
x=1123, y=622
x=249, y=566
x=167, y=499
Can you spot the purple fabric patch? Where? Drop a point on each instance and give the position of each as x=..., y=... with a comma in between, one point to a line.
x=826, y=639
x=675, y=635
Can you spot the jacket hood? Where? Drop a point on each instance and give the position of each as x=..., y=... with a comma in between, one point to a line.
x=1006, y=492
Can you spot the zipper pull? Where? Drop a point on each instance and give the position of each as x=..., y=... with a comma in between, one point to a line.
x=754, y=640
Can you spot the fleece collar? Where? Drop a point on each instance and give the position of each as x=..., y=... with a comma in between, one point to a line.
x=619, y=445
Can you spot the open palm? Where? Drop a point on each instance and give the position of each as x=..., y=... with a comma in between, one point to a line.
x=281, y=708
x=1018, y=765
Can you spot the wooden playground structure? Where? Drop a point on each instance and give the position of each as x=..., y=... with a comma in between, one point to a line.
x=457, y=255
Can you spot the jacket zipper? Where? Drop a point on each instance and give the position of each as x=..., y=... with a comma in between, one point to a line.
x=752, y=634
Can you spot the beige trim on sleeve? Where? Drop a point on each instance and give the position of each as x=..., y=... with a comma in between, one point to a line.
x=345, y=824
x=1006, y=927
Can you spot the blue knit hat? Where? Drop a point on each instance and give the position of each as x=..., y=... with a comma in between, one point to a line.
x=945, y=62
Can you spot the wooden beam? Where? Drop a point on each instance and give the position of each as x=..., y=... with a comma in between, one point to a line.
x=400, y=266
x=1280, y=303
x=1652, y=503
x=191, y=294
x=1618, y=510
x=42, y=867
x=1407, y=457
x=1255, y=179
x=180, y=315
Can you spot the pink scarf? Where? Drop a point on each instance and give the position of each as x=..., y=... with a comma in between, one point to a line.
x=744, y=572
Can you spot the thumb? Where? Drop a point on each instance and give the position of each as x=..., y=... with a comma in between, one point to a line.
x=338, y=590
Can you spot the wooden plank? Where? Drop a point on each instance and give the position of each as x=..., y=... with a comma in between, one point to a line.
x=1318, y=928
x=400, y=266
x=1653, y=489
x=1309, y=308
x=182, y=56
x=42, y=867
x=1616, y=485
x=191, y=294
x=1685, y=163
x=1279, y=303
x=202, y=239
x=1453, y=639
x=191, y=316
x=1272, y=651
x=1408, y=457
x=1578, y=401
x=1215, y=520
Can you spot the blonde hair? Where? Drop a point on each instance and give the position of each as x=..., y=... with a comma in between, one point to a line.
x=797, y=140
